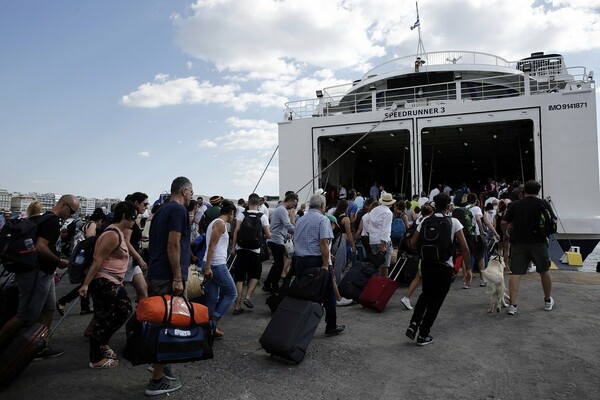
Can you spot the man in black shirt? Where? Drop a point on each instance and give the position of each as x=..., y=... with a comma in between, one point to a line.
x=525, y=245
x=36, y=287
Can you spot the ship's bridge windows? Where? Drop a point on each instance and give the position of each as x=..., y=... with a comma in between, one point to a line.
x=384, y=157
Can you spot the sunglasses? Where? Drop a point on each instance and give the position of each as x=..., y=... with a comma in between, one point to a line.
x=70, y=208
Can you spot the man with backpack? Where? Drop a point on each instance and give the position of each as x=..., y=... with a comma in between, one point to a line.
x=251, y=226
x=434, y=239
x=528, y=223
x=36, y=285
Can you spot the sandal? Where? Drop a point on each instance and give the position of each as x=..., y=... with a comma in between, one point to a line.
x=107, y=352
x=218, y=334
x=105, y=363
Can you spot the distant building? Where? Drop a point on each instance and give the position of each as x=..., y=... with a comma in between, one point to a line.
x=19, y=202
x=48, y=200
x=5, y=198
x=105, y=204
x=87, y=206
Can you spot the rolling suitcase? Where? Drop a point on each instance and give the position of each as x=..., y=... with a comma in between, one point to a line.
x=24, y=346
x=378, y=292
x=291, y=329
x=356, y=279
x=21, y=351
x=405, y=269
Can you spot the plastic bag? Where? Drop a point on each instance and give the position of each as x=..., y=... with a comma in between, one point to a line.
x=289, y=248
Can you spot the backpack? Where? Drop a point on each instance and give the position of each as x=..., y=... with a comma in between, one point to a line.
x=17, y=244
x=544, y=223
x=82, y=257
x=398, y=227
x=435, y=240
x=250, y=232
x=465, y=217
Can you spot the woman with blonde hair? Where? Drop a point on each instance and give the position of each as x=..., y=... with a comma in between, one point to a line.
x=34, y=209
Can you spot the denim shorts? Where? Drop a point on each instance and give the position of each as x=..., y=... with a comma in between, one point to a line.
x=36, y=294
x=388, y=253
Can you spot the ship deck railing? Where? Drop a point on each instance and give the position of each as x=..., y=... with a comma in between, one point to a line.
x=336, y=102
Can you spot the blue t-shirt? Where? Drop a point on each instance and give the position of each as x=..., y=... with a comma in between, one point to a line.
x=172, y=217
x=352, y=208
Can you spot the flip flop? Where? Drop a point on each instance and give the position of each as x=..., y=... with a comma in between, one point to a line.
x=105, y=363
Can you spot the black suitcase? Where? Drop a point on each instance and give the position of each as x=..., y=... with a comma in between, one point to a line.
x=356, y=279
x=21, y=351
x=405, y=269
x=291, y=329
x=9, y=298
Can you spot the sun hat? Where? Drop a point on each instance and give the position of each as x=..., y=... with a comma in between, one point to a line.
x=387, y=199
x=216, y=200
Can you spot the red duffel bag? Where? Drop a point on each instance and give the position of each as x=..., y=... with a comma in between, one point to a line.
x=156, y=309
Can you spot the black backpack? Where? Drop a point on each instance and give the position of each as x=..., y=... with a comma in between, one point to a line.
x=82, y=257
x=544, y=223
x=250, y=233
x=17, y=244
x=435, y=239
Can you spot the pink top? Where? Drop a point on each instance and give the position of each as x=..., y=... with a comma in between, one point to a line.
x=116, y=263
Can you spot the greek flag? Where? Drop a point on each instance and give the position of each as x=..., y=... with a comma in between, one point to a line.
x=416, y=24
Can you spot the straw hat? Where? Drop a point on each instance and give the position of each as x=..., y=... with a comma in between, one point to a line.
x=387, y=199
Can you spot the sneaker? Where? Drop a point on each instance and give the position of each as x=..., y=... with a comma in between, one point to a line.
x=48, y=352
x=483, y=284
x=548, y=304
x=531, y=269
x=512, y=310
x=411, y=332
x=424, y=341
x=406, y=302
x=162, y=387
x=343, y=302
x=248, y=303
x=167, y=372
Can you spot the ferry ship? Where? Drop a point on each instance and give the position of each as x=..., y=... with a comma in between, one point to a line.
x=453, y=117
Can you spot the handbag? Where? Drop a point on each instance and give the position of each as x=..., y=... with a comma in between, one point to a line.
x=149, y=342
x=195, y=283
x=311, y=285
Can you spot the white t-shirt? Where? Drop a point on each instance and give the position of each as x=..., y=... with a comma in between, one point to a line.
x=264, y=209
x=264, y=220
x=434, y=192
x=476, y=211
x=423, y=200
x=456, y=226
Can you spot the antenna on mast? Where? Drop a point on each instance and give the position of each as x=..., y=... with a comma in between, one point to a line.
x=420, y=46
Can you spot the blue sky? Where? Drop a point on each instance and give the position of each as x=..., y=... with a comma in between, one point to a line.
x=103, y=98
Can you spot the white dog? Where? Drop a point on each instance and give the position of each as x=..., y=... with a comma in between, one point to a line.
x=494, y=275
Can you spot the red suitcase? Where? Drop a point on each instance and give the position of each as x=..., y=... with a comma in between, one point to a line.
x=378, y=292
x=17, y=356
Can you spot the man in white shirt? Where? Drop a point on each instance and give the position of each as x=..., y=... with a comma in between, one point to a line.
x=201, y=209
x=263, y=207
x=380, y=229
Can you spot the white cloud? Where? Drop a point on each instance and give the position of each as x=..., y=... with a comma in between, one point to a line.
x=188, y=90
x=144, y=154
x=247, y=134
x=277, y=38
x=248, y=171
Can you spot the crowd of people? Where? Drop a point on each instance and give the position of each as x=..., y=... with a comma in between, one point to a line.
x=230, y=243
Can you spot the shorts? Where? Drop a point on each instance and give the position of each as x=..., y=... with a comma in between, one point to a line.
x=132, y=270
x=476, y=247
x=388, y=253
x=36, y=294
x=522, y=254
x=247, y=265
